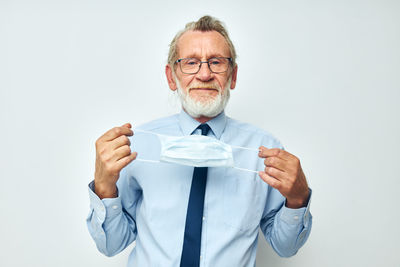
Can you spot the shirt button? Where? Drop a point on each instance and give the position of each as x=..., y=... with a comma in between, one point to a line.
x=115, y=207
x=296, y=217
x=204, y=218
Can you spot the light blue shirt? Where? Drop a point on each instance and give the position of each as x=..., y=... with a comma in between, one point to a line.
x=153, y=198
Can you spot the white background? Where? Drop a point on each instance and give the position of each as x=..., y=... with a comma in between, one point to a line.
x=322, y=76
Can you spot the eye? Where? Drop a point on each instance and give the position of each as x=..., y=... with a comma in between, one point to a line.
x=191, y=61
x=214, y=61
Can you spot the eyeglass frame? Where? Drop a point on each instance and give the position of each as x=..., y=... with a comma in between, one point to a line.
x=201, y=62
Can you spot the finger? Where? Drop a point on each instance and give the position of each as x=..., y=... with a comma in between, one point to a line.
x=116, y=132
x=271, y=152
x=268, y=152
x=128, y=125
x=275, y=173
x=121, y=152
x=270, y=180
x=119, y=141
x=123, y=162
x=277, y=163
x=283, y=154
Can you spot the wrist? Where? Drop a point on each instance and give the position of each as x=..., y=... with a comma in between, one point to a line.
x=295, y=204
x=298, y=203
x=105, y=190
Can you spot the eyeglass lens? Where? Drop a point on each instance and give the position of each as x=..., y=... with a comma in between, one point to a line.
x=192, y=65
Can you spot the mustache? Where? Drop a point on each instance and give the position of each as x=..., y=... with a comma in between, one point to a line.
x=204, y=85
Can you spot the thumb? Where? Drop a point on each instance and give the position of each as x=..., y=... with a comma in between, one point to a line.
x=128, y=125
x=261, y=150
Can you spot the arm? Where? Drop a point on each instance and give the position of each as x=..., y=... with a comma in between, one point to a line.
x=111, y=221
x=286, y=221
x=285, y=229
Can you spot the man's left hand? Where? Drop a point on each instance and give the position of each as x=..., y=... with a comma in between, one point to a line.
x=283, y=172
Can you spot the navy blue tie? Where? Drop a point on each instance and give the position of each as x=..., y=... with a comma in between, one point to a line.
x=194, y=216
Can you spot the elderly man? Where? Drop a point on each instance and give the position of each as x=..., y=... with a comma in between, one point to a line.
x=193, y=189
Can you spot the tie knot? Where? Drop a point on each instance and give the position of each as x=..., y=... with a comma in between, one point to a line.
x=204, y=128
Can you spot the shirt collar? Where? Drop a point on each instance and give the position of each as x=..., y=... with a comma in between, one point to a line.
x=189, y=124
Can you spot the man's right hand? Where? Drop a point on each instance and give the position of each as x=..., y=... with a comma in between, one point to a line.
x=113, y=153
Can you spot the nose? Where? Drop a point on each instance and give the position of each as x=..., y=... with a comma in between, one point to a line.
x=204, y=73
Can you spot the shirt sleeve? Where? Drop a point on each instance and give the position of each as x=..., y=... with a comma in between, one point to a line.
x=111, y=225
x=284, y=228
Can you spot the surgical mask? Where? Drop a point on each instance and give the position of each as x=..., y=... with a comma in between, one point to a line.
x=196, y=150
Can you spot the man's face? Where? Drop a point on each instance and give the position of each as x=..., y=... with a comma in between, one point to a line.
x=205, y=87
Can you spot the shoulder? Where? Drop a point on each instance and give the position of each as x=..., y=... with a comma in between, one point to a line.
x=251, y=131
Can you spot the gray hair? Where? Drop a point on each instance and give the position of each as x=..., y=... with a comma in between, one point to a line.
x=204, y=24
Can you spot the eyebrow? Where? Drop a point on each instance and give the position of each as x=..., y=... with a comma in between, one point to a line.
x=211, y=56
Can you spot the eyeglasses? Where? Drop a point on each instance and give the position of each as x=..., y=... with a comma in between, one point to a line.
x=193, y=65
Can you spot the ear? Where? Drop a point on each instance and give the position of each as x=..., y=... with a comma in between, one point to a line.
x=234, y=76
x=170, y=77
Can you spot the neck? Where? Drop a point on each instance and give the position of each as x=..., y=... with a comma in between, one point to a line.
x=203, y=119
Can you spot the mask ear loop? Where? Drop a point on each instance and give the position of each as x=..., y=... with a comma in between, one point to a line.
x=150, y=132
x=246, y=148
x=148, y=160
x=247, y=170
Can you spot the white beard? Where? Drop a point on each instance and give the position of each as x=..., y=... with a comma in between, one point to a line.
x=207, y=108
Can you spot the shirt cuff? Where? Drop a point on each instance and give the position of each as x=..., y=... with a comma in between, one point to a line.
x=106, y=207
x=294, y=216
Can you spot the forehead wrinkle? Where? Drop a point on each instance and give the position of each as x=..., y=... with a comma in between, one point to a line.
x=207, y=57
x=203, y=45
